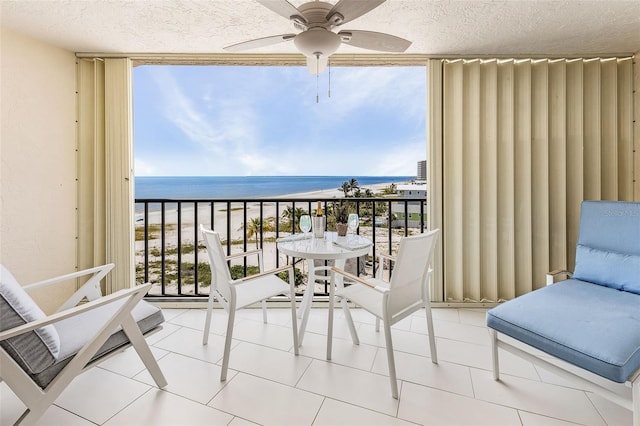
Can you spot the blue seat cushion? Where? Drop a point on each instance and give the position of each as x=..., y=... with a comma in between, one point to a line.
x=588, y=325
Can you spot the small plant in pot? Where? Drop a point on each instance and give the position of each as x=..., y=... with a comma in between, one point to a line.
x=340, y=213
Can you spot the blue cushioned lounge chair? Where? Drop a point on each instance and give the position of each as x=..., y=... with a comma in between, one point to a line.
x=591, y=319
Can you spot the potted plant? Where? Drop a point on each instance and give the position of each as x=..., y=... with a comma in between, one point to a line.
x=340, y=213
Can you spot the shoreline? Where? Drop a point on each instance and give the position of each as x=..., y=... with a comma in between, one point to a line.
x=312, y=196
x=230, y=225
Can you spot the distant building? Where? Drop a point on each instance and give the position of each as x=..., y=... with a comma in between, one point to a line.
x=413, y=208
x=422, y=170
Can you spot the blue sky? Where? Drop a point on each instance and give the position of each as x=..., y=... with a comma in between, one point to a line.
x=264, y=121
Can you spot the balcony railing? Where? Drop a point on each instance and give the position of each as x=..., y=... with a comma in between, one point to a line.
x=170, y=252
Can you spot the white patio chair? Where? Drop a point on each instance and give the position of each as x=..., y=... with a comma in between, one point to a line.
x=241, y=293
x=40, y=355
x=406, y=292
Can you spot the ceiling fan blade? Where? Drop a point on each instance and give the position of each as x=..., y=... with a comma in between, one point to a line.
x=281, y=7
x=374, y=41
x=259, y=42
x=317, y=64
x=352, y=9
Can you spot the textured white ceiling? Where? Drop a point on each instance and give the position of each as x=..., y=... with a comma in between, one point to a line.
x=435, y=27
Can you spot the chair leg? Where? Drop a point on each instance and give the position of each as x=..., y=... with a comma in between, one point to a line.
x=330, y=324
x=391, y=360
x=144, y=352
x=494, y=354
x=207, y=321
x=432, y=335
x=264, y=311
x=352, y=327
x=635, y=392
x=227, y=344
x=294, y=324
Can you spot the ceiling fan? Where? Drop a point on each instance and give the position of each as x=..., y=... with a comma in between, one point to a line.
x=317, y=20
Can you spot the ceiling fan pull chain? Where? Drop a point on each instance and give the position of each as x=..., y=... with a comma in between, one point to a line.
x=329, y=66
x=317, y=78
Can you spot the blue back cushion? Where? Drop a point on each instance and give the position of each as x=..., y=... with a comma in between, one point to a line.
x=610, y=226
x=608, y=251
x=608, y=268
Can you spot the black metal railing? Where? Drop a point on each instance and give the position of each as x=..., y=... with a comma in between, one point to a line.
x=171, y=255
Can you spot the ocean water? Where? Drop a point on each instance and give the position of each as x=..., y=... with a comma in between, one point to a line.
x=230, y=187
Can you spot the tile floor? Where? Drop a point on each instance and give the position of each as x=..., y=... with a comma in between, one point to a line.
x=268, y=385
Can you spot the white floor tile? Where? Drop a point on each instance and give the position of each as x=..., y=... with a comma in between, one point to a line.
x=417, y=369
x=334, y=413
x=128, y=363
x=238, y=421
x=473, y=317
x=479, y=356
x=167, y=329
x=427, y=406
x=267, y=384
x=275, y=336
x=531, y=419
x=537, y=397
x=446, y=314
x=278, y=316
x=189, y=377
x=11, y=408
x=343, y=352
x=160, y=408
x=266, y=402
x=273, y=364
x=195, y=319
x=188, y=342
x=403, y=341
x=319, y=321
x=98, y=394
x=453, y=331
x=357, y=387
x=612, y=413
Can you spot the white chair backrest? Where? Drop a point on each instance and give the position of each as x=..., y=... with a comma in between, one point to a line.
x=410, y=273
x=220, y=274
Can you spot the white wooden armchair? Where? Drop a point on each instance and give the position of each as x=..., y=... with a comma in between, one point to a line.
x=40, y=355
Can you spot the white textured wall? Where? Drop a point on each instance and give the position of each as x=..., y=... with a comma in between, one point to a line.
x=37, y=160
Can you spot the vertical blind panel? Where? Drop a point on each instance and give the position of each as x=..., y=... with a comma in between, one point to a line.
x=523, y=143
x=505, y=215
x=91, y=193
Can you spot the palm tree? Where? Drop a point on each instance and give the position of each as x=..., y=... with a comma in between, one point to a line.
x=255, y=225
x=353, y=184
x=289, y=213
x=345, y=188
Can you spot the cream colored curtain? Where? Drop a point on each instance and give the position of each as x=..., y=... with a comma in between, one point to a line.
x=521, y=144
x=105, y=182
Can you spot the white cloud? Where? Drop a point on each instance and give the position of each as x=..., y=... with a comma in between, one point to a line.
x=228, y=130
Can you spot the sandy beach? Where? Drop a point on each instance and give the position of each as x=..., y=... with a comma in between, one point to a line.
x=235, y=216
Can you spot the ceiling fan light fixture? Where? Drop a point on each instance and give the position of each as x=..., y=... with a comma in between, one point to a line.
x=317, y=41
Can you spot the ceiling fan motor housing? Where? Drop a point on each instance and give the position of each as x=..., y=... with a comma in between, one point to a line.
x=317, y=42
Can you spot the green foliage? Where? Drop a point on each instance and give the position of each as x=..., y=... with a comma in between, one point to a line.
x=299, y=276
x=237, y=271
x=390, y=190
x=153, y=229
x=340, y=211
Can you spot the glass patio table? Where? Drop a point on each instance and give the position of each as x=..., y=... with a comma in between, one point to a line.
x=331, y=247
